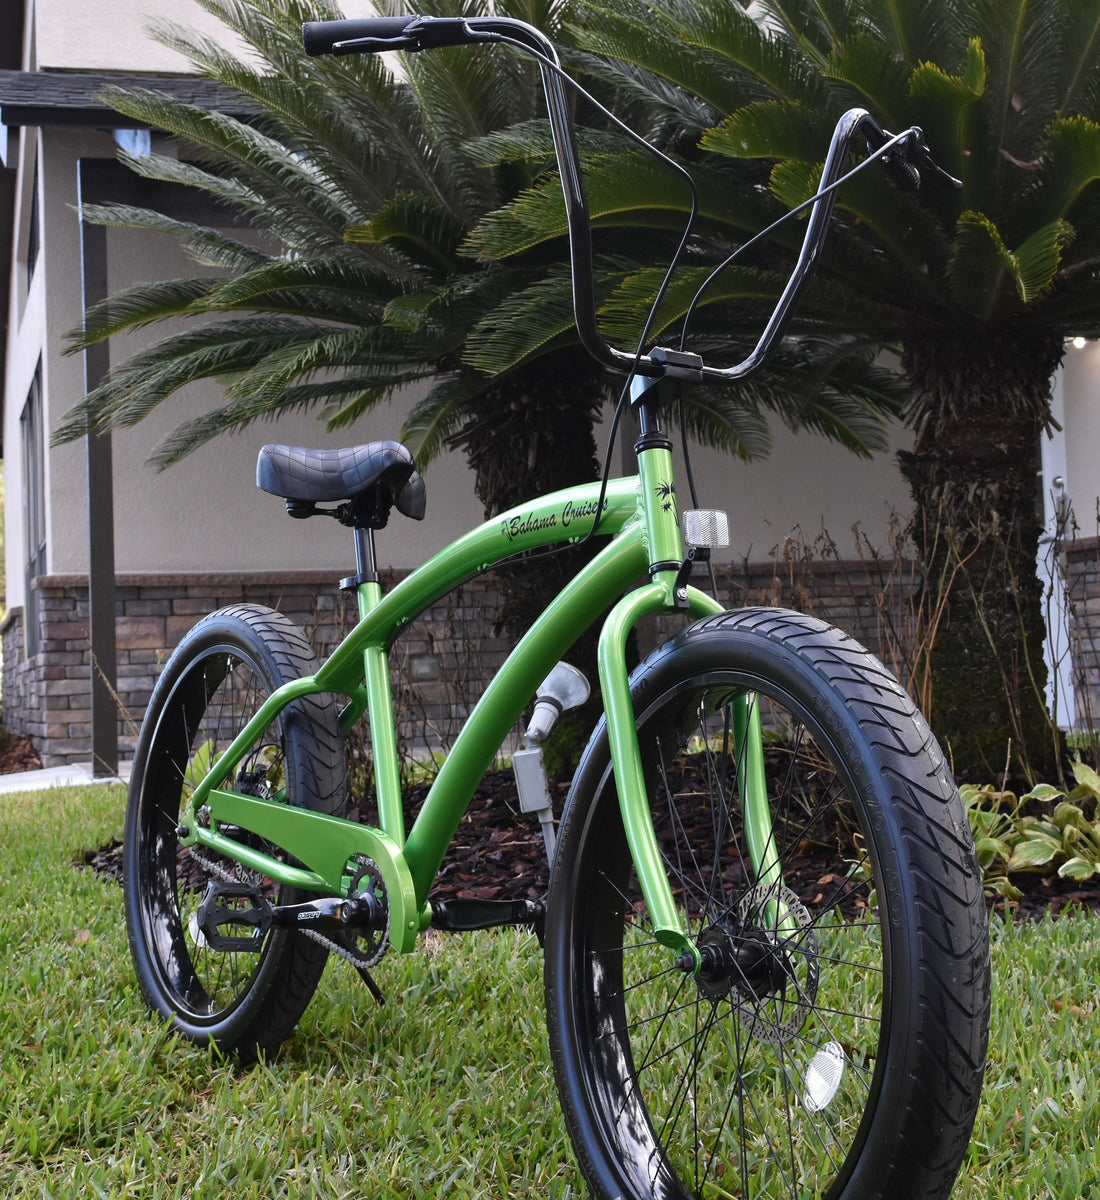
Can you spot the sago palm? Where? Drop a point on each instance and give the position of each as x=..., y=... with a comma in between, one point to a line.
x=356, y=176
x=977, y=287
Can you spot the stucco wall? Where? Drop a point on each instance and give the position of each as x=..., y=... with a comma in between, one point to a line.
x=112, y=35
x=1081, y=396
x=205, y=514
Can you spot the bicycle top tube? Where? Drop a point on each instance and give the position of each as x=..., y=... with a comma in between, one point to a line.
x=904, y=155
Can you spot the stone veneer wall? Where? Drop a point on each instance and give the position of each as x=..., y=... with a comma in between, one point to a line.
x=439, y=663
x=48, y=696
x=1082, y=567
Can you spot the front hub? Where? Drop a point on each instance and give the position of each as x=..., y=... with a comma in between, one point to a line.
x=770, y=977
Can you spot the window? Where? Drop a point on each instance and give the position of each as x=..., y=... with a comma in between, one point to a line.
x=34, y=509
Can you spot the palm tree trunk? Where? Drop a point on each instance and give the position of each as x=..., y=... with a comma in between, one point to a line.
x=981, y=401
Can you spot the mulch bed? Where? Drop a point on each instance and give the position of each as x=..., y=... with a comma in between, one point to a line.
x=18, y=754
x=498, y=852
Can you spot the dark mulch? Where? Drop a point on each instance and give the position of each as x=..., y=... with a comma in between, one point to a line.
x=17, y=754
x=498, y=853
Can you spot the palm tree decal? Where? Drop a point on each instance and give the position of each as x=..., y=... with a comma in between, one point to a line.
x=666, y=493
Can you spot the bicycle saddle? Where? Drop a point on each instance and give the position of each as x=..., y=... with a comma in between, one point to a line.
x=370, y=478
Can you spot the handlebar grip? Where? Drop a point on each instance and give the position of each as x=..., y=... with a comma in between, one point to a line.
x=320, y=37
x=366, y=35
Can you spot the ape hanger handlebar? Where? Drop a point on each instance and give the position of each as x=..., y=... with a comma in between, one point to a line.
x=904, y=155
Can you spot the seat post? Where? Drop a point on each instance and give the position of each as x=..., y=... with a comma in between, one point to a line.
x=376, y=675
x=366, y=565
x=365, y=562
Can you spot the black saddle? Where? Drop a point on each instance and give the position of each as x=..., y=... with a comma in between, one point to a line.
x=364, y=481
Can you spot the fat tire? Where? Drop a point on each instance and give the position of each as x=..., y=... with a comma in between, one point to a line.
x=929, y=1058
x=258, y=1013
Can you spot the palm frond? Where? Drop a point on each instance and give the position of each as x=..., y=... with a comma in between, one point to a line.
x=667, y=108
x=138, y=306
x=915, y=31
x=206, y=246
x=636, y=35
x=741, y=298
x=1067, y=170
x=1023, y=43
x=189, y=436
x=435, y=418
x=531, y=141
x=873, y=80
x=420, y=229
x=366, y=283
x=771, y=129
x=218, y=350
x=1080, y=84
x=900, y=223
x=525, y=324
x=728, y=420
x=626, y=191
x=778, y=65
x=982, y=273
x=231, y=193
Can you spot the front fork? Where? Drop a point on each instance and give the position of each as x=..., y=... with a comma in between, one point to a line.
x=630, y=782
x=665, y=593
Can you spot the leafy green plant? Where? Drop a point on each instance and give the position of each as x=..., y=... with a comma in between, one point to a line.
x=1062, y=838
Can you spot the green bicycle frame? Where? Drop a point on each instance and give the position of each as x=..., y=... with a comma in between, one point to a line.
x=639, y=514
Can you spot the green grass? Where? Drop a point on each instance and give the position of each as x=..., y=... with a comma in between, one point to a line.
x=445, y=1091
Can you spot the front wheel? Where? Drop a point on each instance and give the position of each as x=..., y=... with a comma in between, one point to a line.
x=833, y=1043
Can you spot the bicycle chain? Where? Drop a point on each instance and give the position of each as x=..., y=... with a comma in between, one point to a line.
x=340, y=949
x=215, y=869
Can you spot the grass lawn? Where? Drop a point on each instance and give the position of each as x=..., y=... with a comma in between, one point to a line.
x=445, y=1091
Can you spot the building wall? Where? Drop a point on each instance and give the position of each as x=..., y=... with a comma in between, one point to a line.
x=48, y=697
x=204, y=521
x=439, y=665
x=113, y=35
x=1081, y=436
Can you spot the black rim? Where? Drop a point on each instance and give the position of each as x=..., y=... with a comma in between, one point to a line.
x=758, y=1076
x=210, y=702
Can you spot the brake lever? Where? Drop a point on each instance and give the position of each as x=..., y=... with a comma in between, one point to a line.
x=906, y=159
x=918, y=153
x=374, y=45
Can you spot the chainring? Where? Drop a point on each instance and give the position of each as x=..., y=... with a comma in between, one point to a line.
x=367, y=946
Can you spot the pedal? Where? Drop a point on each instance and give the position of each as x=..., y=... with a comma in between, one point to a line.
x=214, y=913
x=464, y=916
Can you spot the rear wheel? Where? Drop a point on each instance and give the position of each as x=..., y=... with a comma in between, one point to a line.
x=832, y=1045
x=247, y=999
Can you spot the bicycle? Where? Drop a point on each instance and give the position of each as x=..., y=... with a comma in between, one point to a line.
x=766, y=958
